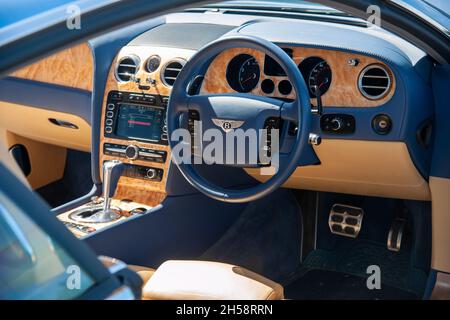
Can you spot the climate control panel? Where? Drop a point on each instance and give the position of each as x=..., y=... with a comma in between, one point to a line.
x=133, y=152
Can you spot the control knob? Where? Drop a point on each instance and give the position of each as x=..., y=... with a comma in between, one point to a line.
x=151, y=173
x=132, y=152
x=336, y=124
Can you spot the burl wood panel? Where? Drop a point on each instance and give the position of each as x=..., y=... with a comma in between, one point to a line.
x=72, y=67
x=141, y=191
x=343, y=91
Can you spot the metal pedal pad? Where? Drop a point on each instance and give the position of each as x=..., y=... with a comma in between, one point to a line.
x=394, y=240
x=345, y=220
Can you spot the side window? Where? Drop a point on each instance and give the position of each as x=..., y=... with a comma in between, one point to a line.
x=32, y=265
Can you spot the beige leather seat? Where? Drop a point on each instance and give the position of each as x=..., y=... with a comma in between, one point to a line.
x=144, y=272
x=204, y=280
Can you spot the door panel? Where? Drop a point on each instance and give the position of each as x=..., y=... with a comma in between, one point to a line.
x=47, y=161
x=45, y=106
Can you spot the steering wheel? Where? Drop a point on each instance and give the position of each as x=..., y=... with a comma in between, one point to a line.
x=249, y=111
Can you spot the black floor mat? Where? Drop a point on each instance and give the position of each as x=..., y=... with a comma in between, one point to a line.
x=331, y=285
x=356, y=256
x=265, y=239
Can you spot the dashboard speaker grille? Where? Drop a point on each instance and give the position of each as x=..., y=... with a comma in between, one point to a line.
x=374, y=82
x=127, y=68
x=171, y=71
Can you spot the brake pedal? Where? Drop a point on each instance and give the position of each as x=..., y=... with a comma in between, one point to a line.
x=394, y=240
x=345, y=220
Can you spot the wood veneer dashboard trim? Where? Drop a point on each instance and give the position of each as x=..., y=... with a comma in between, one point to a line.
x=72, y=67
x=343, y=91
x=141, y=191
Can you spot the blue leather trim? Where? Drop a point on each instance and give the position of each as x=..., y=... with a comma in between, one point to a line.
x=430, y=284
x=46, y=96
x=440, y=166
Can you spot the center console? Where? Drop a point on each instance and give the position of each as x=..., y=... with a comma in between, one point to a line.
x=135, y=132
x=134, y=137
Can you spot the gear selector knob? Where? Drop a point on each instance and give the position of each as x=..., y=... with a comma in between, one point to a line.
x=112, y=170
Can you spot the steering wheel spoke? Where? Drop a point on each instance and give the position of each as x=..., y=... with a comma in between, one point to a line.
x=289, y=111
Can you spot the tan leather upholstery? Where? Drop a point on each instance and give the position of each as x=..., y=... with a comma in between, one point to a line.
x=203, y=280
x=144, y=272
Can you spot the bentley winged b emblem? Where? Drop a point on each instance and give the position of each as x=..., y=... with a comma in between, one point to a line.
x=227, y=125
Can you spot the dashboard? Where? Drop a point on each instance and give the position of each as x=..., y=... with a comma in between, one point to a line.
x=370, y=136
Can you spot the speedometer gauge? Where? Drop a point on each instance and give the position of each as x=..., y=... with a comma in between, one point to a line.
x=243, y=73
x=249, y=75
x=317, y=74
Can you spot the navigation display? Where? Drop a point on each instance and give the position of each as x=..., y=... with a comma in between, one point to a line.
x=139, y=122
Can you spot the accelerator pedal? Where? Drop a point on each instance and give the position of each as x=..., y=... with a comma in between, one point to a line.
x=345, y=220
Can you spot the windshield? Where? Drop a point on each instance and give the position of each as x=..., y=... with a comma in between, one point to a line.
x=285, y=5
x=441, y=5
x=435, y=12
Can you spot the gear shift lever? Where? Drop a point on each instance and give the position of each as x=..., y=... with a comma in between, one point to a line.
x=111, y=174
x=103, y=212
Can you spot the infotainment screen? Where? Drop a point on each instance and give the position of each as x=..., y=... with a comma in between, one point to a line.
x=139, y=122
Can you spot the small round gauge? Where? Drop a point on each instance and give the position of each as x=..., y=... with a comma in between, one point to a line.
x=243, y=73
x=317, y=74
x=153, y=63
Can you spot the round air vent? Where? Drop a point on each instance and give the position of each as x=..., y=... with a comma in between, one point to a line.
x=171, y=70
x=126, y=68
x=374, y=82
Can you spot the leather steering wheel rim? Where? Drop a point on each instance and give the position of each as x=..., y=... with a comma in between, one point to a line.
x=298, y=111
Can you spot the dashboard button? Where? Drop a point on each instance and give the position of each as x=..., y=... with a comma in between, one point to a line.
x=109, y=114
x=108, y=129
x=109, y=122
x=111, y=106
x=337, y=123
x=382, y=124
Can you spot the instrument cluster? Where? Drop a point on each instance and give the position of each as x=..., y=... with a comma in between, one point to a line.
x=244, y=74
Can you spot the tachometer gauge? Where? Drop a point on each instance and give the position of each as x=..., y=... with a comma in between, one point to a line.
x=317, y=74
x=249, y=75
x=243, y=73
